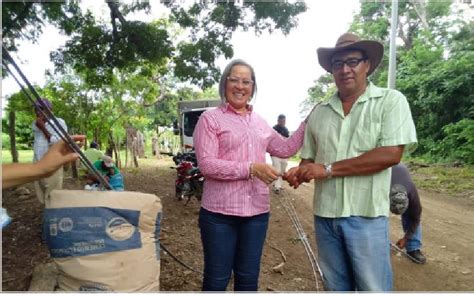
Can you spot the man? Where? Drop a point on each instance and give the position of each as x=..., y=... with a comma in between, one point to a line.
x=404, y=200
x=350, y=143
x=45, y=136
x=280, y=163
x=93, y=154
x=154, y=145
x=106, y=167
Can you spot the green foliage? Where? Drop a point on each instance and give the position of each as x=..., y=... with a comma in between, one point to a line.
x=458, y=143
x=24, y=156
x=5, y=140
x=322, y=90
x=99, y=47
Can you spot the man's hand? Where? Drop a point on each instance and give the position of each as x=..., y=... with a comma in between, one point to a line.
x=304, y=173
x=58, y=155
x=264, y=172
x=290, y=177
x=402, y=243
x=311, y=171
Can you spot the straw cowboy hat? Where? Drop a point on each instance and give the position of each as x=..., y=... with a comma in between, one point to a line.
x=372, y=49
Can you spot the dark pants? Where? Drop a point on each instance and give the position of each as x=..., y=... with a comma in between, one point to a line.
x=232, y=243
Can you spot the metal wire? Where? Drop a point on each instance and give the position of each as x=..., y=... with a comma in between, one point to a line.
x=178, y=260
x=48, y=114
x=404, y=253
x=291, y=211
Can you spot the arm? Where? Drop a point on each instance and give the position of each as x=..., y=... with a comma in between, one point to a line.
x=368, y=163
x=41, y=125
x=286, y=147
x=413, y=212
x=20, y=173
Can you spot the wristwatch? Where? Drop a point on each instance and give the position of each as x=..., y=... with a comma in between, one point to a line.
x=328, y=170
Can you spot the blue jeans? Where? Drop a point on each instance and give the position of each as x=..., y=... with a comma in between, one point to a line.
x=413, y=243
x=354, y=253
x=232, y=243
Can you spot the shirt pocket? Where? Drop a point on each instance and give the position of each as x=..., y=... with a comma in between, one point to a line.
x=367, y=138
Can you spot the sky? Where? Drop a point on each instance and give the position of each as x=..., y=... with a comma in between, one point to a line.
x=285, y=66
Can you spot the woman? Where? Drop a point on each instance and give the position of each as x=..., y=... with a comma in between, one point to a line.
x=230, y=143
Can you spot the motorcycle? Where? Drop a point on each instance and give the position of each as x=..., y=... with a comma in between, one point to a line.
x=189, y=180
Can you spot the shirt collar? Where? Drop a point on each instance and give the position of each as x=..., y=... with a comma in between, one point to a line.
x=226, y=107
x=371, y=91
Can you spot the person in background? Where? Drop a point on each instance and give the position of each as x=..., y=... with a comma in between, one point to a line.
x=93, y=154
x=231, y=141
x=106, y=167
x=154, y=145
x=351, y=141
x=280, y=163
x=45, y=135
x=405, y=201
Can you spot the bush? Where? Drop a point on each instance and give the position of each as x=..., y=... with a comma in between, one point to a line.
x=5, y=141
x=458, y=143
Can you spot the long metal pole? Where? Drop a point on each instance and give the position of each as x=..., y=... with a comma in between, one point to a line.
x=392, y=63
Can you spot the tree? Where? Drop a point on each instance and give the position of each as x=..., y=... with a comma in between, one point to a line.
x=321, y=91
x=97, y=47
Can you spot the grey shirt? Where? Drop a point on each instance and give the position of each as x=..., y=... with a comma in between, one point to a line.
x=401, y=175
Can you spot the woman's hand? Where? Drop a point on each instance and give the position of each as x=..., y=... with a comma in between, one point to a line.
x=264, y=172
x=58, y=155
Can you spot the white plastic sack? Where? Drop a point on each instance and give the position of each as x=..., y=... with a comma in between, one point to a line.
x=104, y=240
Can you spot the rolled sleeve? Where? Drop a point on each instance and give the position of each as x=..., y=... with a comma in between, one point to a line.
x=286, y=147
x=308, y=151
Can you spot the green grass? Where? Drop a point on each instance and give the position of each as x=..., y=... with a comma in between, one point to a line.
x=23, y=156
x=445, y=178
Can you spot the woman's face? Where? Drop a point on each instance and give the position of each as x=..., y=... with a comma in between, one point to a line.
x=239, y=87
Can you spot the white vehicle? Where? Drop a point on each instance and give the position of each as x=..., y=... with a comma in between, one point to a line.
x=188, y=116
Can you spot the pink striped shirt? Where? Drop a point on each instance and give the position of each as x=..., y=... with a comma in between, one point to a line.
x=226, y=142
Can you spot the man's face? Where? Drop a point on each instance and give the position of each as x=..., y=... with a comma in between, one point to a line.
x=350, y=80
x=39, y=114
x=281, y=122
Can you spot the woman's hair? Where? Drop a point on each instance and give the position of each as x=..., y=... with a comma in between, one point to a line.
x=226, y=73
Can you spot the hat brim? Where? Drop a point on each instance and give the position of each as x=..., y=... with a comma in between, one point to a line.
x=373, y=50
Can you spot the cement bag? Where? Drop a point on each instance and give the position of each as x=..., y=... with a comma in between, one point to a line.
x=104, y=240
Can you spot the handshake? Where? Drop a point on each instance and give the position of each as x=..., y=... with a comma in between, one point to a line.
x=305, y=173
x=295, y=176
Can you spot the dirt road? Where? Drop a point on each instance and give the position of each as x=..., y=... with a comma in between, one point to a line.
x=448, y=225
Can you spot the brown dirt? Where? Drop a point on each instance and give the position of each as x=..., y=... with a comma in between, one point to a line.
x=448, y=225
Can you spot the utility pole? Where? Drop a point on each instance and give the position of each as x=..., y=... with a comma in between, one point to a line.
x=392, y=63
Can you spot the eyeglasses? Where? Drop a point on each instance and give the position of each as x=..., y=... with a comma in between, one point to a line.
x=236, y=81
x=351, y=63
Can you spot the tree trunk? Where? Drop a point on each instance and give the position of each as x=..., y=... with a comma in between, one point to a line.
x=74, y=172
x=11, y=132
x=117, y=153
x=126, y=151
